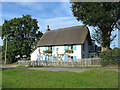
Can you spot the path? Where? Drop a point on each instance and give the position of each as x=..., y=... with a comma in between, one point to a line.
x=60, y=69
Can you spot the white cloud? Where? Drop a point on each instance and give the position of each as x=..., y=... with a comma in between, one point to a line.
x=56, y=23
x=58, y=19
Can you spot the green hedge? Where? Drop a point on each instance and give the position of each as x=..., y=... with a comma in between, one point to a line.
x=110, y=57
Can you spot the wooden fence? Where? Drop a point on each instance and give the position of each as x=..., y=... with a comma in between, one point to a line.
x=62, y=63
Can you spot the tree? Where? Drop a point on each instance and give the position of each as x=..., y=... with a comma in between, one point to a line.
x=102, y=15
x=22, y=36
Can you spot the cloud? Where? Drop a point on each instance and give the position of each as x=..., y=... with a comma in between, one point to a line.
x=57, y=19
x=58, y=22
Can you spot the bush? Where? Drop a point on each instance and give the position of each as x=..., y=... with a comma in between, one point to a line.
x=28, y=58
x=110, y=57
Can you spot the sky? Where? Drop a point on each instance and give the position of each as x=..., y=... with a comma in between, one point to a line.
x=55, y=14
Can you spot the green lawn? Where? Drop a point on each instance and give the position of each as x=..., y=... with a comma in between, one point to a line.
x=24, y=78
x=100, y=67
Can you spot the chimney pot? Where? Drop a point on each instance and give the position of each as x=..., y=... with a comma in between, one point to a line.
x=47, y=28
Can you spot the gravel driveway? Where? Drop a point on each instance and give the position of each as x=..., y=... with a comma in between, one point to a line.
x=60, y=69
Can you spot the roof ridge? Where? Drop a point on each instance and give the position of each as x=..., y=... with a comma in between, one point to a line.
x=67, y=28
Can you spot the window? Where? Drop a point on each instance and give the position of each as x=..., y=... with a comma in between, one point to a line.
x=52, y=48
x=65, y=47
x=46, y=48
x=74, y=57
x=65, y=57
x=52, y=57
x=74, y=47
x=45, y=57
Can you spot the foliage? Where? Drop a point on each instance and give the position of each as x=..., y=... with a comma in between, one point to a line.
x=116, y=48
x=69, y=51
x=22, y=36
x=110, y=57
x=102, y=15
x=47, y=51
x=28, y=58
x=25, y=78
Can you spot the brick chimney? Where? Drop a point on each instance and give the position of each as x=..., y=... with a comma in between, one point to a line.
x=47, y=28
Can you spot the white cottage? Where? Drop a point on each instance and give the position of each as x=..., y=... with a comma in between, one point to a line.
x=64, y=44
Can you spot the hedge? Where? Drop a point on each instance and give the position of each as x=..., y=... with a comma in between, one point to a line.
x=110, y=57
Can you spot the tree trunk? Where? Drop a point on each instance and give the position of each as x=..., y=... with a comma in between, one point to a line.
x=105, y=48
x=106, y=42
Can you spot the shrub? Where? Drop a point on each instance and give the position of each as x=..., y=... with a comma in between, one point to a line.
x=28, y=58
x=110, y=57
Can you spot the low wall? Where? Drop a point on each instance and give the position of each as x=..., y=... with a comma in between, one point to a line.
x=62, y=63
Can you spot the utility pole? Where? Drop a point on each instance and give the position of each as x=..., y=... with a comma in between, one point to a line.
x=6, y=52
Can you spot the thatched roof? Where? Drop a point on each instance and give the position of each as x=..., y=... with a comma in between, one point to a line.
x=70, y=35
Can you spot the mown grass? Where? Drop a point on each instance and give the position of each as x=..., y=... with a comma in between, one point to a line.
x=99, y=67
x=24, y=78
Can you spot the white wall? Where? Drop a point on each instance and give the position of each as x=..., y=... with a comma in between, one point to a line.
x=36, y=55
x=61, y=50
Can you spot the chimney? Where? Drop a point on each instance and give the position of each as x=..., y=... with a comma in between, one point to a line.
x=47, y=28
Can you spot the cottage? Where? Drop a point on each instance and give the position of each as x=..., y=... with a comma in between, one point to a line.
x=70, y=43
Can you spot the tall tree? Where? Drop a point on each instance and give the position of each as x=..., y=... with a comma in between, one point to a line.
x=102, y=15
x=22, y=36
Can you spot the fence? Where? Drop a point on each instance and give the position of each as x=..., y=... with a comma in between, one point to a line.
x=62, y=63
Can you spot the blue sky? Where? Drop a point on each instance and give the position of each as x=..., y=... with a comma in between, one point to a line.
x=55, y=14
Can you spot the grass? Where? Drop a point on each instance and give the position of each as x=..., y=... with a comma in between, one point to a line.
x=100, y=67
x=25, y=78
